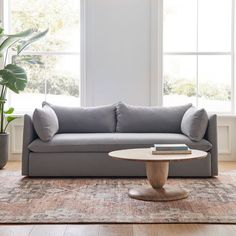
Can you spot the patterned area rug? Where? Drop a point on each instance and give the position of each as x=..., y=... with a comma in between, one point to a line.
x=79, y=200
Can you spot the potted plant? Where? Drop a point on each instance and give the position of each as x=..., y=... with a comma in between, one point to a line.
x=12, y=77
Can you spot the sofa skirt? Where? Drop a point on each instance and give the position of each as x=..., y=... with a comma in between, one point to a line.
x=101, y=165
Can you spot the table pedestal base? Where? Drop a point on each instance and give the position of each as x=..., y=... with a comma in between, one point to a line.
x=157, y=174
x=160, y=194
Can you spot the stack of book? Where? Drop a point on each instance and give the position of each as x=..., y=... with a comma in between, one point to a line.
x=170, y=149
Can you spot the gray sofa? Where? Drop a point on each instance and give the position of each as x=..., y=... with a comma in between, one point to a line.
x=86, y=135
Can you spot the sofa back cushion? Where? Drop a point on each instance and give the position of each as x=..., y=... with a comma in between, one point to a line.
x=45, y=123
x=194, y=123
x=101, y=119
x=140, y=119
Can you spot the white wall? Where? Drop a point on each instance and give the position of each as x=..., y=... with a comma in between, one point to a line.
x=227, y=137
x=118, y=51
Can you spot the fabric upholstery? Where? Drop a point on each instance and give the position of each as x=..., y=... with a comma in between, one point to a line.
x=101, y=165
x=138, y=119
x=29, y=134
x=111, y=141
x=194, y=123
x=86, y=119
x=211, y=136
x=45, y=122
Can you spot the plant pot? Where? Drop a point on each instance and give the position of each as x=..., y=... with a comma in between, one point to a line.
x=3, y=149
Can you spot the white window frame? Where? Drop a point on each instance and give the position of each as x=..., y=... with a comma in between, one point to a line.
x=231, y=53
x=156, y=53
x=5, y=21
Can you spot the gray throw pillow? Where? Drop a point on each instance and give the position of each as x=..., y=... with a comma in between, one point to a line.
x=144, y=119
x=194, y=123
x=100, y=119
x=45, y=123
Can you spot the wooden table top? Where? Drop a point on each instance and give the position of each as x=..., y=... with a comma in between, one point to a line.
x=145, y=154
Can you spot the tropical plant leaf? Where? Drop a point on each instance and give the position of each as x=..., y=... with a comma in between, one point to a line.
x=9, y=111
x=13, y=38
x=1, y=30
x=3, y=100
x=6, y=43
x=14, y=78
x=34, y=38
x=34, y=62
x=31, y=59
x=10, y=118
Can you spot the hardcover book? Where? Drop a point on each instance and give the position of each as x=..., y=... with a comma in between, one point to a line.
x=163, y=152
x=164, y=147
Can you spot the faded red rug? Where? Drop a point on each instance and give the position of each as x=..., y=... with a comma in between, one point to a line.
x=105, y=200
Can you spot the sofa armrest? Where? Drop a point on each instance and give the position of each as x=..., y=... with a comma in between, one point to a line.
x=211, y=136
x=29, y=135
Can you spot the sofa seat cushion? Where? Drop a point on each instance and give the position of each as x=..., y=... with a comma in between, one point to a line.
x=106, y=142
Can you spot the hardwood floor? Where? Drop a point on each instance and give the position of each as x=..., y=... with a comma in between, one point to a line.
x=121, y=229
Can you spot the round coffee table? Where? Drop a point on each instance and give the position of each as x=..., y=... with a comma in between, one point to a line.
x=157, y=168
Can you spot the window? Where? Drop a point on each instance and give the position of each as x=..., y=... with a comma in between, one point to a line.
x=198, y=45
x=57, y=80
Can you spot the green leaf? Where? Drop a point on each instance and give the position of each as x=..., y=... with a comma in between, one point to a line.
x=2, y=100
x=13, y=38
x=9, y=111
x=7, y=42
x=10, y=118
x=34, y=38
x=1, y=30
x=34, y=60
x=14, y=78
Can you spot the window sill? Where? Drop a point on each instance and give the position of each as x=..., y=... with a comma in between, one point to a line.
x=226, y=115
x=20, y=114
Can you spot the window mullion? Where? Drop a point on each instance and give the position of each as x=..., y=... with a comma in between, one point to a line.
x=160, y=53
x=1, y=24
x=197, y=35
x=232, y=58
